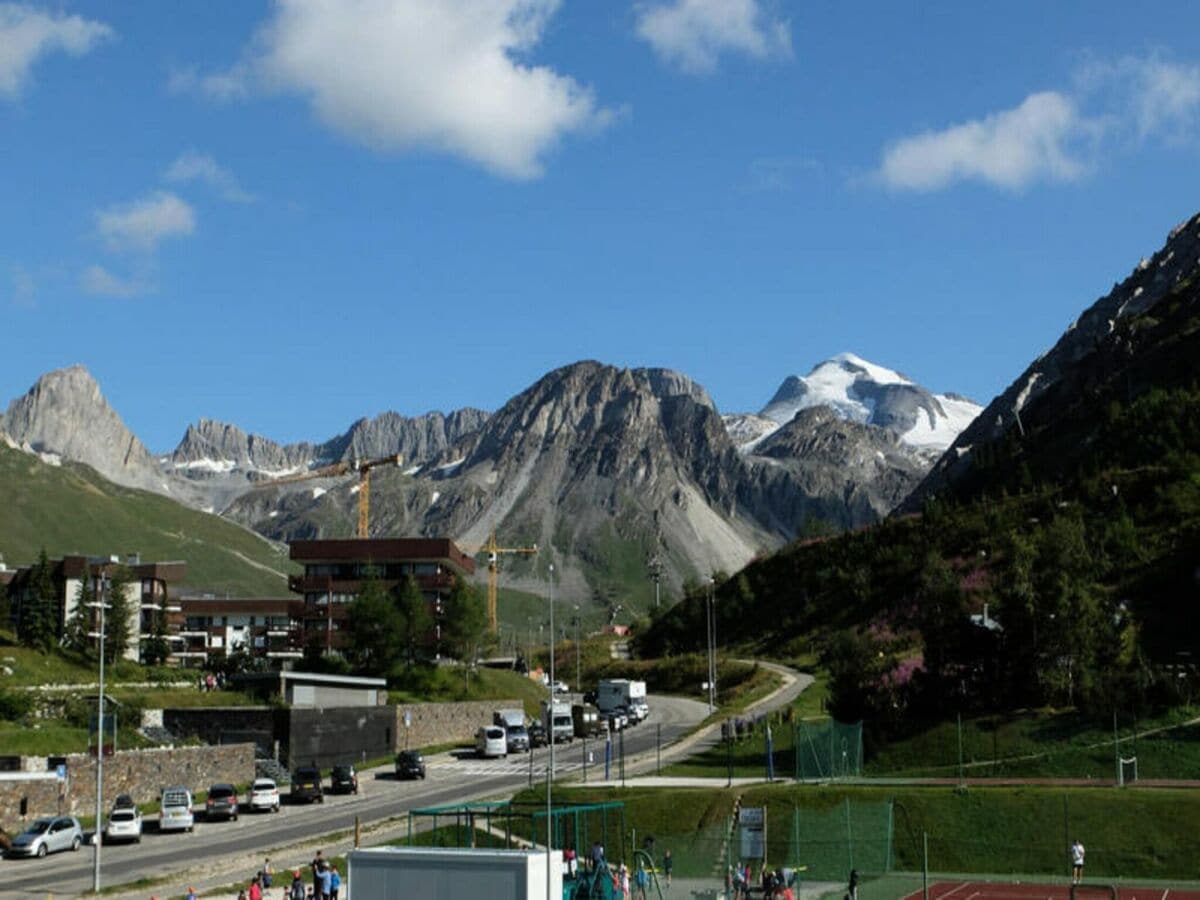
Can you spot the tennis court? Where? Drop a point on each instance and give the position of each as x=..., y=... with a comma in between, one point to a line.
x=985, y=890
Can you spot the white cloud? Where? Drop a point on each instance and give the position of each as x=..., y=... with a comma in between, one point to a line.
x=144, y=223
x=100, y=282
x=450, y=76
x=692, y=34
x=220, y=87
x=194, y=166
x=26, y=34
x=1037, y=140
x=1055, y=135
x=1150, y=96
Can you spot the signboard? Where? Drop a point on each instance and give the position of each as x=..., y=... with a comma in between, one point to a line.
x=752, y=832
x=60, y=772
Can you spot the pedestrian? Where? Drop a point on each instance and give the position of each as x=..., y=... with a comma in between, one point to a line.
x=624, y=873
x=335, y=883
x=324, y=882
x=597, y=854
x=191, y=894
x=852, y=889
x=642, y=881
x=1077, y=853
x=738, y=880
x=267, y=873
x=668, y=865
x=255, y=892
x=242, y=895
x=297, y=891
x=315, y=868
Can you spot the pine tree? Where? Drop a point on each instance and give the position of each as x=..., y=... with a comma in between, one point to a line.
x=465, y=621
x=373, y=628
x=415, y=619
x=75, y=635
x=118, y=616
x=37, y=626
x=156, y=648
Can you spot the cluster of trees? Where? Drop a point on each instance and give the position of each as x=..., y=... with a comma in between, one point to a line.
x=390, y=629
x=39, y=617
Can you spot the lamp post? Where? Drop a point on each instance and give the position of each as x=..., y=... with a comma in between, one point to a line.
x=550, y=734
x=711, y=622
x=98, y=603
x=578, y=670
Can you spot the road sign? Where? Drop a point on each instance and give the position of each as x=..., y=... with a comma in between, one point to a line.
x=60, y=772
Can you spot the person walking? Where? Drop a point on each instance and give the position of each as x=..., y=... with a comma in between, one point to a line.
x=668, y=865
x=1077, y=854
x=642, y=881
x=255, y=892
x=267, y=873
x=324, y=881
x=335, y=883
x=298, y=891
x=852, y=889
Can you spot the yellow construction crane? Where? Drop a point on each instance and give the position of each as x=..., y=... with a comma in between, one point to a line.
x=362, y=467
x=493, y=550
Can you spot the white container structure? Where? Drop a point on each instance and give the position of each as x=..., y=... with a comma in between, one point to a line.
x=451, y=873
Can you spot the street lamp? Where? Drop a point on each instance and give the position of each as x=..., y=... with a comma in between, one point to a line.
x=101, y=586
x=578, y=676
x=550, y=734
x=711, y=621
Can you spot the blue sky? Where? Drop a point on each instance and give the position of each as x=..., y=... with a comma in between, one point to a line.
x=289, y=215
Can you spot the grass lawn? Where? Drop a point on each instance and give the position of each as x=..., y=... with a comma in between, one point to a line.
x=1128, y=833
x=428, y=685
x=33, y=667
x=1048, y=744
x=56, y=739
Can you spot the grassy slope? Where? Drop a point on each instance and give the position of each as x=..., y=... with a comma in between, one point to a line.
x=72, y=509
x=1147, y=834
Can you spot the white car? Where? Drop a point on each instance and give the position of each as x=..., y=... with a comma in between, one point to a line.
x=491, y=742
x=124, y=824
x=561, y=687
x=264, y=796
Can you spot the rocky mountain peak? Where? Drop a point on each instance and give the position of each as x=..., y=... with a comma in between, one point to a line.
x=65, y=415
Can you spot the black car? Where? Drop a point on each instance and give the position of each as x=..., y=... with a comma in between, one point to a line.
x=537, y=735
x=344, y=780
x=222, y=803
x=306, y=785
x=410, y=764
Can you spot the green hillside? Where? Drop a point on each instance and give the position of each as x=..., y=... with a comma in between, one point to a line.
x=72, y=509
x=1079, y=536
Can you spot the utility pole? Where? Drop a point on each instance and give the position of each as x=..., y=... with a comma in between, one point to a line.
x=578, y=669
x=550, y=734
x=101, y=587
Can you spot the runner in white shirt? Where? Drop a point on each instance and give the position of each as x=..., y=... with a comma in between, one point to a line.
x=1077, y=853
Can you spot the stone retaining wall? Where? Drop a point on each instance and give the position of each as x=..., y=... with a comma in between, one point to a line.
x=445, y=723
x=141, y=773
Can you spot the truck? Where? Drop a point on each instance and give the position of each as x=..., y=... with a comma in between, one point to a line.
x=512, y=720
x=587, y=720
x=613, y=694
x=559, y=724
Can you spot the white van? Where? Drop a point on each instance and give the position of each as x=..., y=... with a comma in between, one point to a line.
x=176, y=810
x=491, y=742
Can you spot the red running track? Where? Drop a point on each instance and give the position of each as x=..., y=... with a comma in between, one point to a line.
x=984, y=890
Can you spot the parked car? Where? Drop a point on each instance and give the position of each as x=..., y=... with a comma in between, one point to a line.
x=124, y=824
x=48, y=835
x=222, y=803
x=306, y=785
x=124, y=801
x=264, y=795
x=410, y=764
x=176, y=810
x=490, y=742
x=537, y=735
x=344, y=780
x=561, y=687
x=517, y=738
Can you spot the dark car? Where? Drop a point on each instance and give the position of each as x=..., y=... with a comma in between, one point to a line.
x=537, y=735
x=410, y=764
x=124, y=801
x=306, y=785
x=344, y=780
x=222, y=803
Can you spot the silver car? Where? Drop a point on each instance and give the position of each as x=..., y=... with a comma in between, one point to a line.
x=48, y=836
x=124, y=824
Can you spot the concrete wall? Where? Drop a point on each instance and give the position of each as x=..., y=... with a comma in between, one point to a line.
x=328, y=737
x=445, y=723
x=140, y=773
x=260, y=725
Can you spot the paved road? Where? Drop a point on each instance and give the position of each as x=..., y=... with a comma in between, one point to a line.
x=451, y=778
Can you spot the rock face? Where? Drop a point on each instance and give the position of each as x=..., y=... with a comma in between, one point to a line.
x=64, y=415
x=1098, y=331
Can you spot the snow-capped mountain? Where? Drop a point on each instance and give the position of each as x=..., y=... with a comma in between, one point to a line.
x=861, y=391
